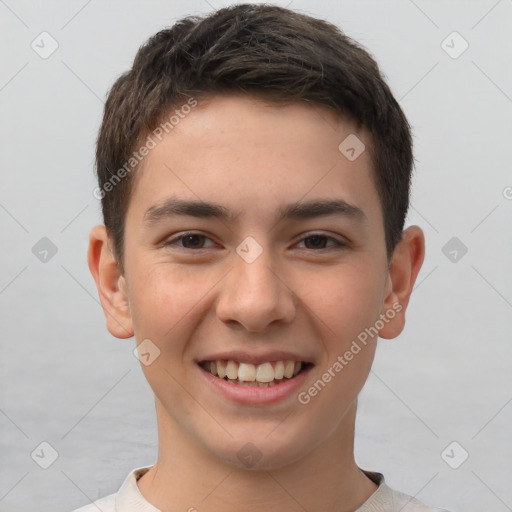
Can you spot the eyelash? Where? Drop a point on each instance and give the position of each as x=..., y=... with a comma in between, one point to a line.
x=338, y=243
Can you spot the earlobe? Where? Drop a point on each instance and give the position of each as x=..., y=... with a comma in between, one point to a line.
x=110, y=283
x=404, y=268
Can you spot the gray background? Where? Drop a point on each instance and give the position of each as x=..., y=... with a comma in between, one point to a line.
x=65, y=380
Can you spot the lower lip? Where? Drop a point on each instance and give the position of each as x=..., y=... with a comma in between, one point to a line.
x=253, y=395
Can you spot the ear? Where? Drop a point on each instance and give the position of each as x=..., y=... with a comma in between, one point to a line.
x=111, y=284
x=404, y=267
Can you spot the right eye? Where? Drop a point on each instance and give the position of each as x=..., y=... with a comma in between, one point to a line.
x=189, y=241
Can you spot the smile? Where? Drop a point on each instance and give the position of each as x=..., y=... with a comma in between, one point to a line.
x=266, y=374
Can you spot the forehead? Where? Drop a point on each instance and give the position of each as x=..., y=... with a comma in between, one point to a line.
x=254, y=155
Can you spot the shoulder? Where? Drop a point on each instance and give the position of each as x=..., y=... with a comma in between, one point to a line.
x=387, y=499
x=106, y=504
x=406, y=503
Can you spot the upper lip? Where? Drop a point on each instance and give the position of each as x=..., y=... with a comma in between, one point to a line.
x=254, y=358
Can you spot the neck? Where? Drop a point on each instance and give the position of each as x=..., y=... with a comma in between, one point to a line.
x=185, y=477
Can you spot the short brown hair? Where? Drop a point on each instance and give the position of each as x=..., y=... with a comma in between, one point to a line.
x=265, y=50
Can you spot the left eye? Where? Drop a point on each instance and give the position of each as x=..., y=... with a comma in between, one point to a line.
x=319, y=241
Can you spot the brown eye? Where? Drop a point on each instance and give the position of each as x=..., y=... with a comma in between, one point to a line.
x=192, y=241
x=319, y=241
x=188, y=241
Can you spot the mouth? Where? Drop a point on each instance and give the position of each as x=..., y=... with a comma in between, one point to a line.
x=266, y=374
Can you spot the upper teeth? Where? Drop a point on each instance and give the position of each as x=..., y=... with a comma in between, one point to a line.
x=265, y=372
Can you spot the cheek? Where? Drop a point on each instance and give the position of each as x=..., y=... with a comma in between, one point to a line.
x=329, y=397
x=166, y=310
x=163, y=297
x=345, y=300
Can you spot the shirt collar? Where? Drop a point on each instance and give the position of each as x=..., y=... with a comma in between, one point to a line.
x=129, y=496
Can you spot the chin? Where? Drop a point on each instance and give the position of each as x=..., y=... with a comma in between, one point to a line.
x=261, y=452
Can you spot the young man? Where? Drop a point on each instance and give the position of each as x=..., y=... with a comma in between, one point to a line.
x=254, y=171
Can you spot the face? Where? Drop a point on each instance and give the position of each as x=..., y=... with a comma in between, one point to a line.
x=250, y=237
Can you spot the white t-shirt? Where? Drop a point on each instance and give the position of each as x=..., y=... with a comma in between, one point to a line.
x=130, y=499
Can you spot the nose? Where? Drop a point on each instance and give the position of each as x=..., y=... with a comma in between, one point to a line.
x=254, y=295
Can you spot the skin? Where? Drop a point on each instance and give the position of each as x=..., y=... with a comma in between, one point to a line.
x=253, y=157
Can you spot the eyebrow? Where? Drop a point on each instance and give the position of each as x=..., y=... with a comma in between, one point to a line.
x=300, y=210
